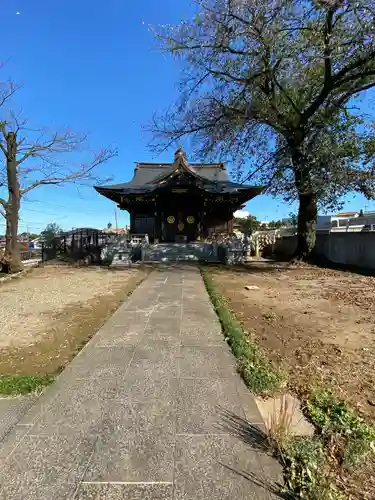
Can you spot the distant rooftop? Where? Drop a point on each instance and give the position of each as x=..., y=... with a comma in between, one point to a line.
x=347, y=214
x=114, y=230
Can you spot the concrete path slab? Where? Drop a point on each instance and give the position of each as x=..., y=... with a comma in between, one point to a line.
x=151, y=409
x=11, y=411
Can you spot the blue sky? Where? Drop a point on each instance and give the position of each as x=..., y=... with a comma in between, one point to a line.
x=95, y=67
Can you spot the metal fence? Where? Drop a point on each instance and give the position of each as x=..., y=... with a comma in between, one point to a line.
x=79, y=244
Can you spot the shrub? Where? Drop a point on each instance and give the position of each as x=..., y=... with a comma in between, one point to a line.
x=305, y=470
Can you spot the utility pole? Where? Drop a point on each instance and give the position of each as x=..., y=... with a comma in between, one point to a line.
x=116, y=219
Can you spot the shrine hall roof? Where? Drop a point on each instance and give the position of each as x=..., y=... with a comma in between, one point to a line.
x=145, y=175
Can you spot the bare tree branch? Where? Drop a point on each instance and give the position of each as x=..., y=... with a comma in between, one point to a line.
x=83, y=173
x=7, y=90
x=66, y=142
x=2, y=147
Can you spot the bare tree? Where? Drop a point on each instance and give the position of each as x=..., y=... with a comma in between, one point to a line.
x=266, y=83
x=34, y=158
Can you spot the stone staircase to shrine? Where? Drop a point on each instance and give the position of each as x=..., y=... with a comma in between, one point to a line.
x=175, y=252
x=122, y=255
x=167, y=252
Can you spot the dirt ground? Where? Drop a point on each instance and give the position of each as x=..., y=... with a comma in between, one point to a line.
x=47, y=315
x=318, y=324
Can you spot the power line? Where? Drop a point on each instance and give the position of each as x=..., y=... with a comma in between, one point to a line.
x=39, y=211
x=22, y=221
x=54, y=205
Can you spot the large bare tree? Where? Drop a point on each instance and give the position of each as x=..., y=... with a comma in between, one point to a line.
x=274, y=84
x=36, y=157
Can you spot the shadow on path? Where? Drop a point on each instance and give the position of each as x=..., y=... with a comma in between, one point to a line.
x=256, y=439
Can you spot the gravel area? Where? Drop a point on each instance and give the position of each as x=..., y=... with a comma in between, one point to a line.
x=30, y=304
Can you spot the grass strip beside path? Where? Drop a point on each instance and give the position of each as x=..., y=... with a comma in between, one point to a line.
x=11, y=385
x=258, y=373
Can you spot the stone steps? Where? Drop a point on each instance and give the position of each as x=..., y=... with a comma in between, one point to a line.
x=175, y=252
x=166, y=252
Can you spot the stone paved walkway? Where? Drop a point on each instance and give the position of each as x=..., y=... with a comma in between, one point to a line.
x=151, y=409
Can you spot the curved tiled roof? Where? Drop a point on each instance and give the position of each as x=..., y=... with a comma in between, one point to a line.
x=213, y=177
x=146, y=173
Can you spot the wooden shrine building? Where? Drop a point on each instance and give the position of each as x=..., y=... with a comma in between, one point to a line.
x=180, y=202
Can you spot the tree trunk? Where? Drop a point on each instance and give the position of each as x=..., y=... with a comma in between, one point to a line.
x=307, y=210
x=307, y=215
x=12, y=254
